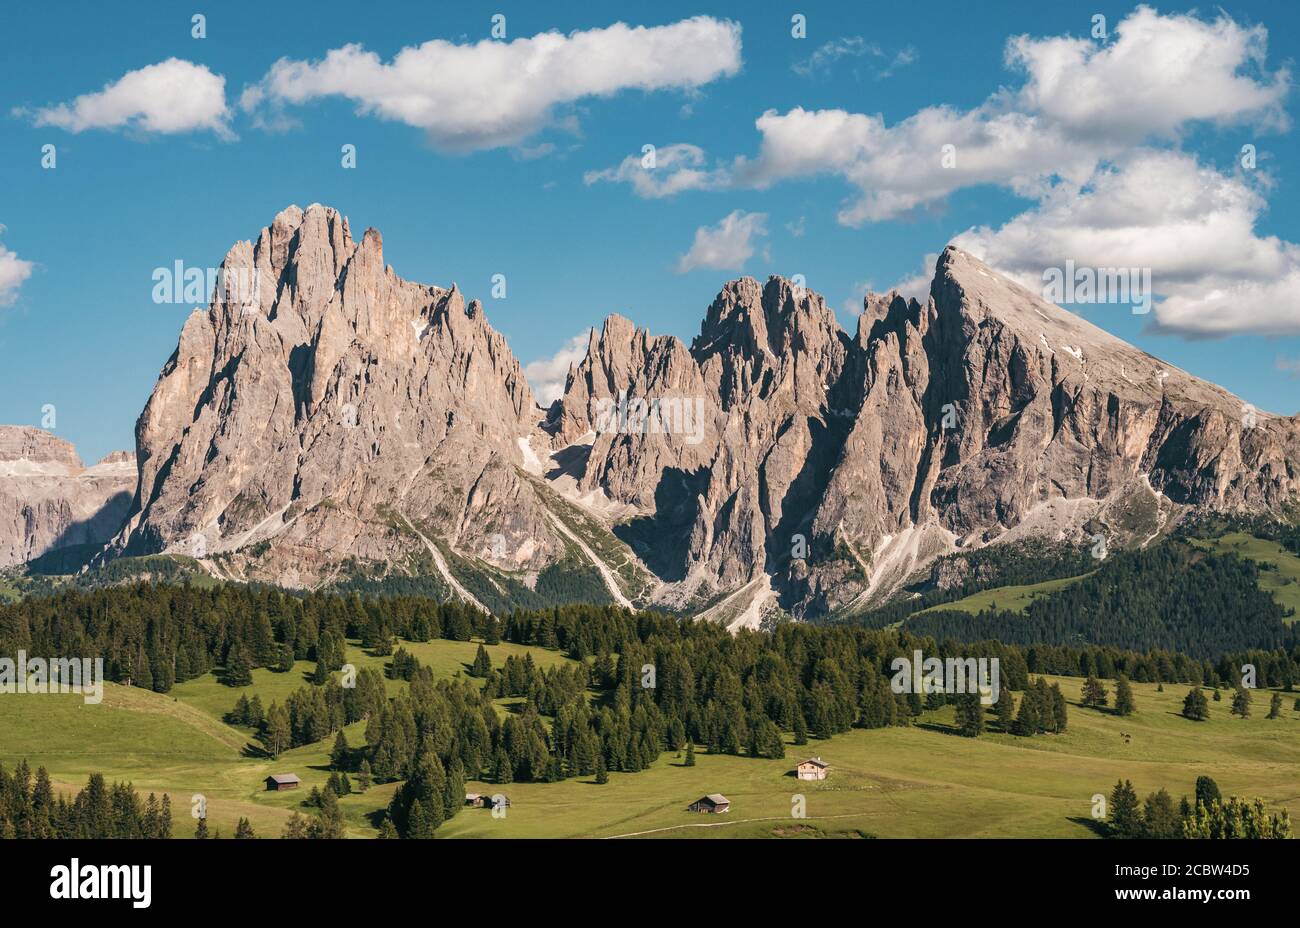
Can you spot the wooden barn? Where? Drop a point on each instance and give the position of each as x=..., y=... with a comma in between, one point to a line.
x=279, y=781
x=814, y=768
x=713, y=803
x=476, y=800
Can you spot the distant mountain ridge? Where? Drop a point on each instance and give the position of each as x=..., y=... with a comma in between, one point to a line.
x=352, y=424
x=49, y=500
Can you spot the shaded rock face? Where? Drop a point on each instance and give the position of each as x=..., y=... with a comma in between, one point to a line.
x=49, y=500
x=839, y=466
x=338, y=415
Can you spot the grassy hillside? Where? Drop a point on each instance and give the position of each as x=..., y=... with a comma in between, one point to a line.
x=917, y=781
x=1011, y=598
x=1279, y=568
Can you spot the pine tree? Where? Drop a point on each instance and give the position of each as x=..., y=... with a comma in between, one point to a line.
x=1160, y=817
x=801, y=727
x=1124, y=704
x=602, y=774
x=1094, y=693
x=482, y=663
x=1241, y=702
x=1060, y=713
x=363, y=776
x=504, y=771
x=296, y=827
x=165, y=818
x=970, y=715
x=340, y=752
x=690, y=754
x=1207, y=791
x=1027, y=719
x=244, y=830
x=239, y=671
x=1195, y=706
x=202, y=830
x=1275, y=707
x=1006, y=710
x=1125, y=816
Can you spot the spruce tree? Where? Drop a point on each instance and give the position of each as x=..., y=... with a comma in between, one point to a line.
x=690, y=754
x=1094, y=693
x=239, y=671
x=1275, y=706
x=202, y=830
x=482, y=665
x=1195, y=706
x=1124, y=704
x=1006, y=710
x=1241, y=702
x=1125, y=816
x=340, y=752
x=244, y=830
x=602, y=774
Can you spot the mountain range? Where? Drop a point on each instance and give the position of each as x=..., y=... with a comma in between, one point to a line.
x=344, y=426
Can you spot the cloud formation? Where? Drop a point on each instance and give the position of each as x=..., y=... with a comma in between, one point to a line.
x=167, y=98
x=493, y=93
x=725, y=246
x=547, y=376
x=13, y=271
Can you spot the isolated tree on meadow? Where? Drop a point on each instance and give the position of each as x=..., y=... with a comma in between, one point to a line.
x=970, y=715
x=482, y=665
x=1094, y=693
x=1241, y=702
x=1275, y=706
x=1124, y=704
x=1195, y=706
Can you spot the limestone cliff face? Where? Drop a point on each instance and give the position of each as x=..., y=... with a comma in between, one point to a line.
x=334, y=411
x=50, y=500
x=332, y=414
x=837, y=467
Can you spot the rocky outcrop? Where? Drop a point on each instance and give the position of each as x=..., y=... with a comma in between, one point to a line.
x=330, y=413
x=49, y=500
x=333, y=417
x=840, y=466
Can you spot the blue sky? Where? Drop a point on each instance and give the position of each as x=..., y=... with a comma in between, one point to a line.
x=841, y=199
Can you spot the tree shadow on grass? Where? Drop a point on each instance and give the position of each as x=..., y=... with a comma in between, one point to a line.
x=1096, y=827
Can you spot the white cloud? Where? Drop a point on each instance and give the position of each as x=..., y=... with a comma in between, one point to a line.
x=725, y=246
x=1289, y=366
x=13, y=271
x=1081, y=103
x=676, y=168
x=820, y=62
x=860, y=289
x=917, y=286
x=169, y=97
x=1193, y=226
x=492, y=93
x=547, y=376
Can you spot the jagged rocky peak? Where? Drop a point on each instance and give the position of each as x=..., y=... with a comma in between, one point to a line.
x=338, y=411
x=50, y=500
x=341, y=419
